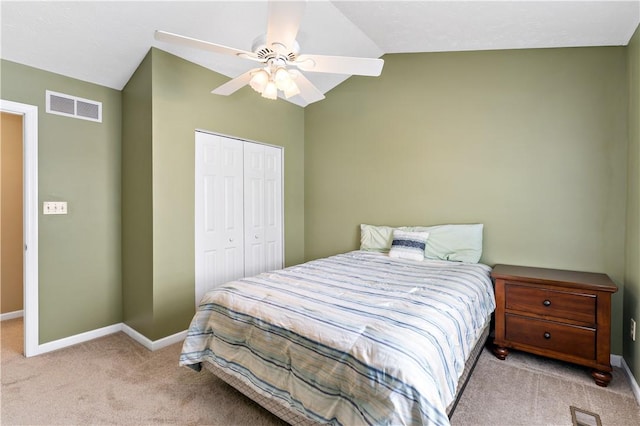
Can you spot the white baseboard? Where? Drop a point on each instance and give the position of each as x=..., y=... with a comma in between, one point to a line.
x=616, y=360
x=12, y=315
x=104, y=331
x=155, y=344
x=79, y=338
x=632, y=380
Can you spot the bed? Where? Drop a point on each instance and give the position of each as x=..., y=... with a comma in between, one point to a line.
x=356, y=338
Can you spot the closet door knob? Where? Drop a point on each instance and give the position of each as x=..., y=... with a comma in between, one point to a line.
x=547, y=302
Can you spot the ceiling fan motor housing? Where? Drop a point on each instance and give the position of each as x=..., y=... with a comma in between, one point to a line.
x=276, y=50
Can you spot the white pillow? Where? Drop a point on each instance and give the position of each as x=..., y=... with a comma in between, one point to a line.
x=408, y=245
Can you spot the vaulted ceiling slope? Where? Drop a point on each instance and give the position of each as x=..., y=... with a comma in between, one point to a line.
x=104, y=41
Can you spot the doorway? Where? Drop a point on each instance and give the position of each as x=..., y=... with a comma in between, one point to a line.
x=11, y=238
x=29, y=115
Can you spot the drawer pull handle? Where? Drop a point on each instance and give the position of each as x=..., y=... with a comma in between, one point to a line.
x=547, y=335
x=547, y=302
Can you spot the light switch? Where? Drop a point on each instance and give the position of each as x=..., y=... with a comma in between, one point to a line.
x=54, y=207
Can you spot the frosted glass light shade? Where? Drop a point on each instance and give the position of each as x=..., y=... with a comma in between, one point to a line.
x=270, y=91
x=292, y=90
x=282, y=79
x=259, y=81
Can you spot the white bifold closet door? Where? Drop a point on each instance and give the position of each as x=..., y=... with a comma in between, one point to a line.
x=262, y=208
x=238, y=210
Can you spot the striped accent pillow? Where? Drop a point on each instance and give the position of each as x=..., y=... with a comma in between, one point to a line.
x=408, y=245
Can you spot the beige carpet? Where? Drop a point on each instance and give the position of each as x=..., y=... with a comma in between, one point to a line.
x=526, y=389
x=114, y=380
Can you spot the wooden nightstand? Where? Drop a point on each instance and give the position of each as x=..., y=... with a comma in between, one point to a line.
x=564, y=315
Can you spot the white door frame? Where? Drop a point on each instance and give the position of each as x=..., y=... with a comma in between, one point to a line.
x=30, y=220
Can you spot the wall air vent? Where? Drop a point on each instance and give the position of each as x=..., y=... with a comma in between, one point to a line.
x=73, y=106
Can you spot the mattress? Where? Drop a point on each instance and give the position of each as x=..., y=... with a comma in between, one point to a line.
x=357, y=338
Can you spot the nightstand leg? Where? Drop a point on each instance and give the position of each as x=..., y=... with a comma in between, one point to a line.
x=602, y=378
x=500, y=352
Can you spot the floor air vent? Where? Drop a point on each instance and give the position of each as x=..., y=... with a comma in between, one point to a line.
x=72, y=106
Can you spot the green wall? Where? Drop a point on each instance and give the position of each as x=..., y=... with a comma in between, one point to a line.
x=137, y=205
x=632, y=271
x=78, y=162
x=180, y=103
x=532, y=143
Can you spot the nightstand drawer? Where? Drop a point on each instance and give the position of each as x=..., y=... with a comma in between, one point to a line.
x=564, y=338
x=558, y=304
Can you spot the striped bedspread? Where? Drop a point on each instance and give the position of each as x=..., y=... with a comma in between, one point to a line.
x=357, y=338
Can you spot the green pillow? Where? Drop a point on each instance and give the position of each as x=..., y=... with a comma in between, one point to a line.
x=460, y=243
x=376, y=238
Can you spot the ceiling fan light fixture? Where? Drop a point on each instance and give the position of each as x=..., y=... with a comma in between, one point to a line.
x=259, y=80
x=270, y=91
x=282, y=79
x=292, y=90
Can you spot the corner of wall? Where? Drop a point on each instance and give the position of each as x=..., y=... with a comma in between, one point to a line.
x=136, y=213
x=631, y=302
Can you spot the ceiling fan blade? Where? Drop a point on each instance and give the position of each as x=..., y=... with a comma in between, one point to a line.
x=340, y=64
x=234, y=84
x=203, y=45
x=308, y=91
x=283, y=23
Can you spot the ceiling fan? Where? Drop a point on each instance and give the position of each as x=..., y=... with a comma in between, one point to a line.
x=277, y=51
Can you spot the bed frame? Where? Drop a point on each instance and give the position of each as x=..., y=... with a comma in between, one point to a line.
x=295, y=418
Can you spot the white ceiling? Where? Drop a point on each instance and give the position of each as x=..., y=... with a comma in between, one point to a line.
x=103, y=42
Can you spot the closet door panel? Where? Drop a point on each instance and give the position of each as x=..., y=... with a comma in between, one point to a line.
x=219, y=212
x=229, y=211
x=254, y=201
x=254, y=227
x=273, y=231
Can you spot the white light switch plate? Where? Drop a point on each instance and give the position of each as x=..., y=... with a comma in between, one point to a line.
x=54, y=207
